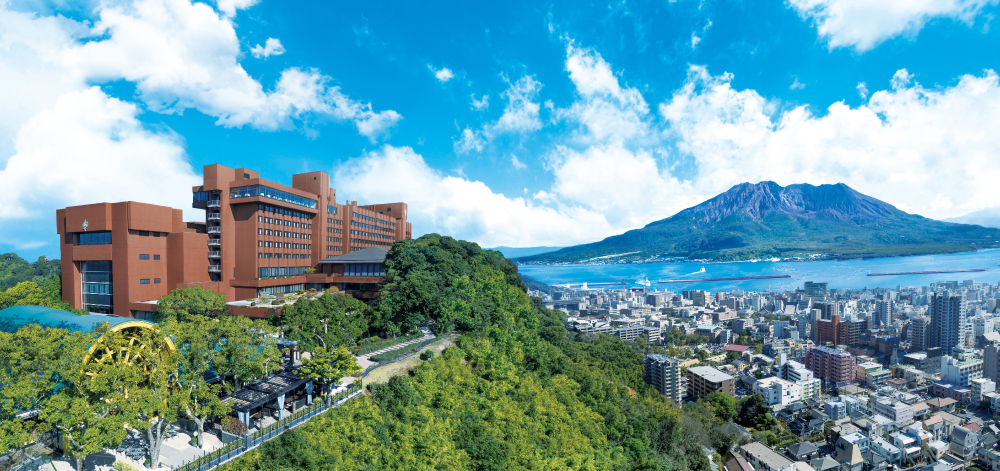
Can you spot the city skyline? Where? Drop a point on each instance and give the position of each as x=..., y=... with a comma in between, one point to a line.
x=522, y=125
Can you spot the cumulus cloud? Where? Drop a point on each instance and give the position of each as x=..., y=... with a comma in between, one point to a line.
x=863, y=24
x=520, y=116
x=443, y=74
x=458, y=206
x=184, y=55
x=605, y=110
x=928, y=151
x=272, y=47
x=87, y=148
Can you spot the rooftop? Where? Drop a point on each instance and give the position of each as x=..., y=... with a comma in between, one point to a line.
x=710, y=374
x=765, y=454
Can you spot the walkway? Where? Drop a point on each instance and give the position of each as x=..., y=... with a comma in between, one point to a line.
x=364, y=361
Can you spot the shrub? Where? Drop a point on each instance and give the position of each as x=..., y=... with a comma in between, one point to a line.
x=122, y=466
x=427, y=355
x=234, y=426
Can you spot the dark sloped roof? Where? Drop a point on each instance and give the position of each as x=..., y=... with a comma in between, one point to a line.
x=369, y=255
x=13, y=318
x=802, y=449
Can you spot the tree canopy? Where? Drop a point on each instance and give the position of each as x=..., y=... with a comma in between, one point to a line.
x=183, y=303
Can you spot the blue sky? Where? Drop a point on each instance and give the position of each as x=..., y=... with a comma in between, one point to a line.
x=510, y=123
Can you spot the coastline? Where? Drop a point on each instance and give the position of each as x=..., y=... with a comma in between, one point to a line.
x=815, y=258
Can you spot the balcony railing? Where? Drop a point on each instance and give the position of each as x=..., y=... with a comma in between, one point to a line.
x=214, y=230
x=215, y=254
x=214, y=203
x=214, y=243
x=214, y=216
x=215, y=268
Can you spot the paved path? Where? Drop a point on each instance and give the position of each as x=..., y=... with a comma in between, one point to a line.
x=364, y=361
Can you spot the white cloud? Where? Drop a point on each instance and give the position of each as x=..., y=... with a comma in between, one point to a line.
x=272, y=47
x=482, y=103
x=694, y=40
x=64, y=141
x=932, y=152
x=605, y=109
x=518, y=165
x=862, y=90
x=796, y=85
x=863, y=24
x=443, y=74
x=229, y=7
x=184, y=55
x=89, y=148
x=460, y=207
x=520, y=116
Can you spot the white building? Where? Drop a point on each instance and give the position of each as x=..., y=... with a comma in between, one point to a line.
x=897, y=411
x=961, y=369
x=981, y=387
x=778, y=391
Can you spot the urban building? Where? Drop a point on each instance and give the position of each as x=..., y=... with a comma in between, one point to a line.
x=948, y=320
x=834, y=367
x=259, y=237
x=664, y=373
x=991, y=356
x=961, y=369
x=919, y=333
x=897, y=411
x=705, y=380
x=883, y=312
x=763, y=458
x=777, y=391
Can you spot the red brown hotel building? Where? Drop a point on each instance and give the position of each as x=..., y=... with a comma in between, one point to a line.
x=259, y=237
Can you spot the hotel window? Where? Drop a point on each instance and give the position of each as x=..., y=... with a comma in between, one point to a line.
x=260, y=231
x=156, y=280
x=156, y=257
x=260, y=243
x=94, y=238
x=260, y=218
x=144, y=281
x=144, y=256
x=260, y=255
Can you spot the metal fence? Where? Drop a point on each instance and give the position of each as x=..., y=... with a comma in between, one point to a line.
x=237, y=448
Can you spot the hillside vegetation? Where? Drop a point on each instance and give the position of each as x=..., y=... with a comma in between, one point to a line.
x=517, y=391
x=767, y=220
x=14, y=270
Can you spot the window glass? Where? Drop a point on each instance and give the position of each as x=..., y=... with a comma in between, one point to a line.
x=156, y=280
x=144, y=281
x=266, y=192
x=95, y=238
x=156, y=257
x=144, y=256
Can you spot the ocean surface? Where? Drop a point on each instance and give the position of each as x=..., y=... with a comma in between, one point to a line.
x=847, y=274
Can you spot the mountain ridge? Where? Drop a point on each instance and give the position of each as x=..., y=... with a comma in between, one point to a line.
x=765, y=220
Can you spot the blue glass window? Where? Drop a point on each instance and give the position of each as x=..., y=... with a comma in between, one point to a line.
x=200, y=197
x=144, y=256
x=144, y=281
x=97, y=286
x=261, y=190
x=94, y=238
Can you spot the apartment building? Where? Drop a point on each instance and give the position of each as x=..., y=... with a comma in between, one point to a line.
x=259, y=237
x=898, y=411
x=664, y=373
x=833, y=367
x=705, y=380
x=962, y=368
x=778, y=391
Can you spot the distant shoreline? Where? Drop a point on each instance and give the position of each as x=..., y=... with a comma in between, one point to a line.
x=835, y=257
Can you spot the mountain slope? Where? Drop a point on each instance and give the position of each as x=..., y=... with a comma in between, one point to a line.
x=989, y=217
x=765, y=220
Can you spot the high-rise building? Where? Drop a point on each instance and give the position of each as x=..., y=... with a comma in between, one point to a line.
x=259, y=237
x=919, y=333
x=991, y=356
x=664, y=373
x=827, y=309
x=834, y=367
x=814, y=316
x=884, y=312
x=948, y=323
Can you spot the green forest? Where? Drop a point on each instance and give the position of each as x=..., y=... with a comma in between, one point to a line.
x=31, y=284
x=517, y=391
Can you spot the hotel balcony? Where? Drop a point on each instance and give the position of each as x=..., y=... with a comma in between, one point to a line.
x=214, y=243
x=215, y=268
x=214, y=230
x=214, y=216
x=215, y=254
x=214, y=203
